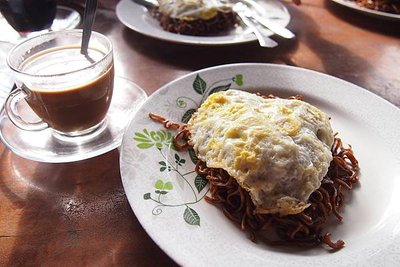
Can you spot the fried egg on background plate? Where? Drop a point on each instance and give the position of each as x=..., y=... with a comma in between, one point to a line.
x=277, y=149
x=193, y=9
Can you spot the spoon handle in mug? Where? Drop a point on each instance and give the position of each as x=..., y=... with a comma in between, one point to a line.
x=88, y=20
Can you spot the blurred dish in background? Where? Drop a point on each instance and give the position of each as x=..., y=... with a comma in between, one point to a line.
x=139, y=19
x=389, y=6
x=367, y=11
x=23, y=19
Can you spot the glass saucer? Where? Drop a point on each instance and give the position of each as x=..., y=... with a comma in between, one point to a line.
x=45, y=147
x=66, y=18
x=6, y=80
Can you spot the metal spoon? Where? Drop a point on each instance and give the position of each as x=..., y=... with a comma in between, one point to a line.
x=88, y=20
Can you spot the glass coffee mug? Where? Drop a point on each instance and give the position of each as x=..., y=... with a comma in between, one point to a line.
x=68, y=91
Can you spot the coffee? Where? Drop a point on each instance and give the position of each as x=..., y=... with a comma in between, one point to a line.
x=74, y=104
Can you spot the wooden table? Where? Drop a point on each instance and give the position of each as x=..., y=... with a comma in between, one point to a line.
x=77, y=214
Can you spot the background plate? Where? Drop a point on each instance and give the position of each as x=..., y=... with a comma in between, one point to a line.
x=137, y=18
x=367, y=11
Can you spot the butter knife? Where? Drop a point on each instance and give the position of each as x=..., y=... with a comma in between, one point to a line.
x=258, y=14
x=242, y=11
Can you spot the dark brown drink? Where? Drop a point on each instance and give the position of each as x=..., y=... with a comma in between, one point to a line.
x=76, y=104
x=29, y=15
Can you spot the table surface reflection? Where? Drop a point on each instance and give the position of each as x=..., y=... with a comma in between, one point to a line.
x=77, y=213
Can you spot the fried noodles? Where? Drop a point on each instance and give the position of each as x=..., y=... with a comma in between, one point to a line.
x=302, y=229
x=305, y=229
x=221, y=23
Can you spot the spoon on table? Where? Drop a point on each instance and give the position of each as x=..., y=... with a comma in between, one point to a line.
x=88, y=19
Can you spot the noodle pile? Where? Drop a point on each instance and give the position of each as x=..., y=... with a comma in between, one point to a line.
x=305, y=229
x=221, y=23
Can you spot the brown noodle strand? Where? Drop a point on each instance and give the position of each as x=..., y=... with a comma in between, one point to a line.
x=303, y=229
x=335, y=245
x=167, y=124
x=180, y=139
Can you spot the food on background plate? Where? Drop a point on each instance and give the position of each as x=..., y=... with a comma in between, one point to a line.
x=196, y=17
x=274, y=165
x=389, y=6
x=199, y=17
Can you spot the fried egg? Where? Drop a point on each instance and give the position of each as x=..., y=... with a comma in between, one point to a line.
x=276, y=149
x=193, y=9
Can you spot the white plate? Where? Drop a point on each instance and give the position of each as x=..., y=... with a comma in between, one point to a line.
x=371, y=226
x=367, y=11
x=137, y=18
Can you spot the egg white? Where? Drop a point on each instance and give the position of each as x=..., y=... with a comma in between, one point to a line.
x=193, y=9
x=277, y=149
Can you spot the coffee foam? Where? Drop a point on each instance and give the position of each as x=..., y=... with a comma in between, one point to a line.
x=59, y=61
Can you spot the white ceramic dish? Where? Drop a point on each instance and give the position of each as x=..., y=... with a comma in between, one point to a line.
x=167, y=198
x=367, y=11
x=137, y=18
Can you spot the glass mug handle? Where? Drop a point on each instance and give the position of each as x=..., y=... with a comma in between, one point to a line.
x=11, y=109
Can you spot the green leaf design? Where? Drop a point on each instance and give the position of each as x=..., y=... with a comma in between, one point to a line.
x=141, y=140
x=193, y=156
x=191, y=217
x=181, y=103
x=179, y=161
x=140, y=135
x=199, y=85
x=162, y=135
x=168, y=186
x=144, y=145
x=220, y=88
x=163, y=192
x=163, y=165
x=238, y=79
x=200, y=182
x=147, y=196
x=188, y=114
x=158, y=138
x=159, y=184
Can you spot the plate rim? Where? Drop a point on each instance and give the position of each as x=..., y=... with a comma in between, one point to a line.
x=159, y=92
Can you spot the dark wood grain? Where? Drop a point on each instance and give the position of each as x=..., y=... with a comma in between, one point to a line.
x=77, y=214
